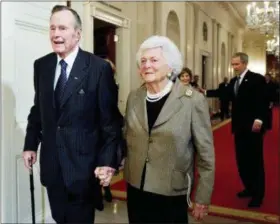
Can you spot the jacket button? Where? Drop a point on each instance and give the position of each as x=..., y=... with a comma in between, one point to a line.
x=147, y=159
x=58, y=127
x=150, y=140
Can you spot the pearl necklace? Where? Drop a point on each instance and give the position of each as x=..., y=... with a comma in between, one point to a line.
x=156, y=97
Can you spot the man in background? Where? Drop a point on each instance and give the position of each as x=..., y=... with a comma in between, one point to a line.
x=247, y=93
x=270, y=95
x=195, y=81
x=224, y=97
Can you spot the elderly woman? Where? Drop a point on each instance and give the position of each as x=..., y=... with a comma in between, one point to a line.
x=185, y=76
x=163, y=120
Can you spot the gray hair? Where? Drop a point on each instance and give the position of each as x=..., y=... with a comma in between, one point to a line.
x=58, y=8
x=170, y=52
x=244, y=58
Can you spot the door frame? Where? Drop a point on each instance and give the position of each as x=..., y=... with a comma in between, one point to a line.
x=123, y=51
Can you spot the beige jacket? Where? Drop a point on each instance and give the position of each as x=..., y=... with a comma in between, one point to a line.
x=182, y=125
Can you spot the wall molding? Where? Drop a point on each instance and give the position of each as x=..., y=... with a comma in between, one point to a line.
x=31, y=26
x=107, y=14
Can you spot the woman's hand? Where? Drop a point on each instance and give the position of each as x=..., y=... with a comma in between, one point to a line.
x=199, y=211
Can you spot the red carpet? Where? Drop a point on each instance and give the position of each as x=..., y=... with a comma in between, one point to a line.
x=227, y=182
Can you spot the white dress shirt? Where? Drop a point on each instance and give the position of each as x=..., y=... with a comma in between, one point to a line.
x=242, y=75
x=69, y=60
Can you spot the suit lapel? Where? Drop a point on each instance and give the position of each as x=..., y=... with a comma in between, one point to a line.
x=140, y=107
x=77, y=74
x=50, y=75
x=172, y=104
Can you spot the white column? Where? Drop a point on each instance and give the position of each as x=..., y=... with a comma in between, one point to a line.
x=88, y=30
x=196, y=60
x=190, y=35
x=218, y=55
x=214, y=52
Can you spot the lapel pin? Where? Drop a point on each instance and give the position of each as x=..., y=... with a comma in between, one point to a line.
x=188, y=92
x=75, y=77
x=81, y=91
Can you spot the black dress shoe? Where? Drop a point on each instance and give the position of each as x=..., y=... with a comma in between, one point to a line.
x=254, y=203
x=99, y=206
x=243, y=194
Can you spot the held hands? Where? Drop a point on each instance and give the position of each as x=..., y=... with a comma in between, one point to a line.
x=104, y=174
x=29, y=157
x=199, y=211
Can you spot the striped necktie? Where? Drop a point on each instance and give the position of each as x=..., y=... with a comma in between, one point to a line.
x=61, y=83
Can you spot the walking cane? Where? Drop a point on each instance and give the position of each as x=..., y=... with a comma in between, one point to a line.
x=31, y=180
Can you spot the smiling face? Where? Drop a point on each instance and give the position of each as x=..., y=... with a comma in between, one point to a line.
x=153, y=66
x=185, y=78
x=64, y=35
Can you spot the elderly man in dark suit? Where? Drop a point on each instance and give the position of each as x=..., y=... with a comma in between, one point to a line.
x=248, y=127
x=76, y=120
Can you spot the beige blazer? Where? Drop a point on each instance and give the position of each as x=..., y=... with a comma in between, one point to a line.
x=182, y=127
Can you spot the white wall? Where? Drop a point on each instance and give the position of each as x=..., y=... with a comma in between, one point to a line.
x=255, y=47
x=25, y=39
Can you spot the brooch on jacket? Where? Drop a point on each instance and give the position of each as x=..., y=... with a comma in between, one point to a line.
x=189, y=92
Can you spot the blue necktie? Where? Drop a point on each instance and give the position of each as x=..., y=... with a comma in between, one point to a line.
x=61, y=83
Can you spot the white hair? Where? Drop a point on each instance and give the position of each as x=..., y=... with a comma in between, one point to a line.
x=170, y=52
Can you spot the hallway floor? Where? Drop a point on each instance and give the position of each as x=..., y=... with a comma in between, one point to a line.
x=116, y=212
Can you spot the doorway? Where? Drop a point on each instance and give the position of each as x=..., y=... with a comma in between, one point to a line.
x=105, y=40
x=203, y=71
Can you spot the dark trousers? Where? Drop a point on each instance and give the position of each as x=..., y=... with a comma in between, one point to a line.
x=250, y=163
x=69, y=207
x=146, y=207
x=224, y=107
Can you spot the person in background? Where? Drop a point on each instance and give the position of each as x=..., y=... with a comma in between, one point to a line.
x=74, y=117
x=195, y=81
x=270, y=95
x=224, y=97
x=248, y=126
x=107, y=191
x=185, y=76
x=164, y=121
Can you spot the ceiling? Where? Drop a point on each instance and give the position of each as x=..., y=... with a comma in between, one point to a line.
x=241, y=8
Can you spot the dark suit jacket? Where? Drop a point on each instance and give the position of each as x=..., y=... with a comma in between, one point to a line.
x=87, y=131
x=249, y=104
x=224, y=91
x=271, y=91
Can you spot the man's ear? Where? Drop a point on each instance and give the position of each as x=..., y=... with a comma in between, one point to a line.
x=79, y=34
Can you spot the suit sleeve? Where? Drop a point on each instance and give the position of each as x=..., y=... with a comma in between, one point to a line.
x=110, y=121
x=33, y=130
x=203, y=142
x=212, y=93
